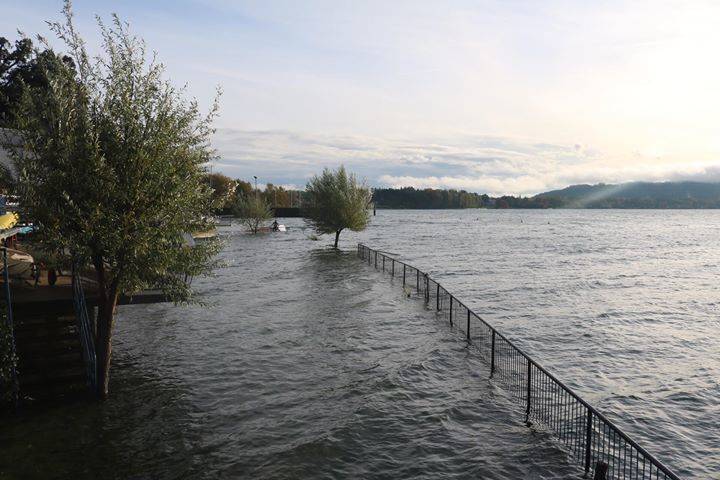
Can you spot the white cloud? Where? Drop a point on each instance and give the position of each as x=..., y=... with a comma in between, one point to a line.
x=485, y=164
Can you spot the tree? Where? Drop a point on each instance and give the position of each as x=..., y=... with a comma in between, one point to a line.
x=243, y=190
x=253, y=211
x=111, y=170
x=337, y=201
x=23, y=67
x=223, y=188
x=276, y=196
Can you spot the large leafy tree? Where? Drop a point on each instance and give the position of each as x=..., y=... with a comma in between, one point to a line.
x=336, y=201
x=111, y=168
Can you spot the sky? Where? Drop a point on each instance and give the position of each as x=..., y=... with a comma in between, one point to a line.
x=500, y=97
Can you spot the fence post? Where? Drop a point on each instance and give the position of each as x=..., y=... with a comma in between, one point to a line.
x=468, y=324
x=451, y=302
x=588, y=440
x=403, y=274
x=417, y=280
x=529, y=388
x=376, y=259
x=393, y=268
x=383, y=263
x=437, y=297
x=492, y=355
x=601, y=470
x=427, y=289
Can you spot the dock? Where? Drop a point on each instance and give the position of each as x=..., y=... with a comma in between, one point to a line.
x=51, y=359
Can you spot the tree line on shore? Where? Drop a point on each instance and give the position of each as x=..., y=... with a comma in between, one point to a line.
x=431, y=198
x=227, y=193
x=633, y=195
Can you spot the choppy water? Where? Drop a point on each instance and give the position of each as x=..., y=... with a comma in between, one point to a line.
x=309, y=364
x=622, y=305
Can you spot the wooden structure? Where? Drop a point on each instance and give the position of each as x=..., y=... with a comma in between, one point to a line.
x=52, y=363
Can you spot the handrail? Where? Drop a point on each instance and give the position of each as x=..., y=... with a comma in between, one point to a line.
x=594, y=440
x=85, y=330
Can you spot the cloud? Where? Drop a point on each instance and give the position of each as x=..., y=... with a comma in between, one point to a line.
x=484, y=164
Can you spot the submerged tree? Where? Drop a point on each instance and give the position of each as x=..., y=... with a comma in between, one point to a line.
x=111, y=169
x=253, y=211
x=337, y=201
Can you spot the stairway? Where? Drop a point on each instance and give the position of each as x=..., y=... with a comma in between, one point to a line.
x=50, y=363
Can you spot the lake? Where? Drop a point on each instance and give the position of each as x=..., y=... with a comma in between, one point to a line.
x=305, y=363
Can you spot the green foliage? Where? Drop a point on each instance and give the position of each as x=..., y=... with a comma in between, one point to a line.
x=276, y=196
x=223, y=190
x=111, y=164
x=22, y=67
x=337, y=201
x=243, y=189
x=253, y=211
x=410, y=197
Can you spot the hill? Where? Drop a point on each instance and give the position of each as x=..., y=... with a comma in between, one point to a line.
x=638, y=195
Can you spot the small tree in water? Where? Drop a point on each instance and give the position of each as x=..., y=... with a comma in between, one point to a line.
x=111, y=170
x=253, y=211
x=337, y=201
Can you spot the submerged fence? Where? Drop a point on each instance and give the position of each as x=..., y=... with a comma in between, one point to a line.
x=592, y=440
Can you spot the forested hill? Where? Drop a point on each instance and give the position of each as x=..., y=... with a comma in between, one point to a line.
x=624, y=195
x=638, y=195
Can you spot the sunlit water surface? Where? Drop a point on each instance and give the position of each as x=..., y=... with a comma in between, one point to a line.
x=308, y=364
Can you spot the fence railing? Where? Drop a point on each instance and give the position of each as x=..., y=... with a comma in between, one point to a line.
x=592, y=440
x=85, y=330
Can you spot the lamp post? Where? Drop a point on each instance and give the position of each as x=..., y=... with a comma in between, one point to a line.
x=256, y=190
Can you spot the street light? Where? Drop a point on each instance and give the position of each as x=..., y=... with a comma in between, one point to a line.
x=256, y=190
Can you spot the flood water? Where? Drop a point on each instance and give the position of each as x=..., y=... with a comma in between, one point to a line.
x=304, y=363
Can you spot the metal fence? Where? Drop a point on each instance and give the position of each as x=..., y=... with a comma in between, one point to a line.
x=597, y=444
x=85, y=329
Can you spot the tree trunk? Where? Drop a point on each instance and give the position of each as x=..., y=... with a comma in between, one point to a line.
x=337, y=237
x=105, y=322
x=107, y=301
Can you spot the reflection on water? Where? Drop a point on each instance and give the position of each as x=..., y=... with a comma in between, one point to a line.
x=306, y=363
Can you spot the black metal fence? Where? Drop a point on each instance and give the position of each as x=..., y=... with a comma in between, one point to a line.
x=85, y=329
x=593, y=441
